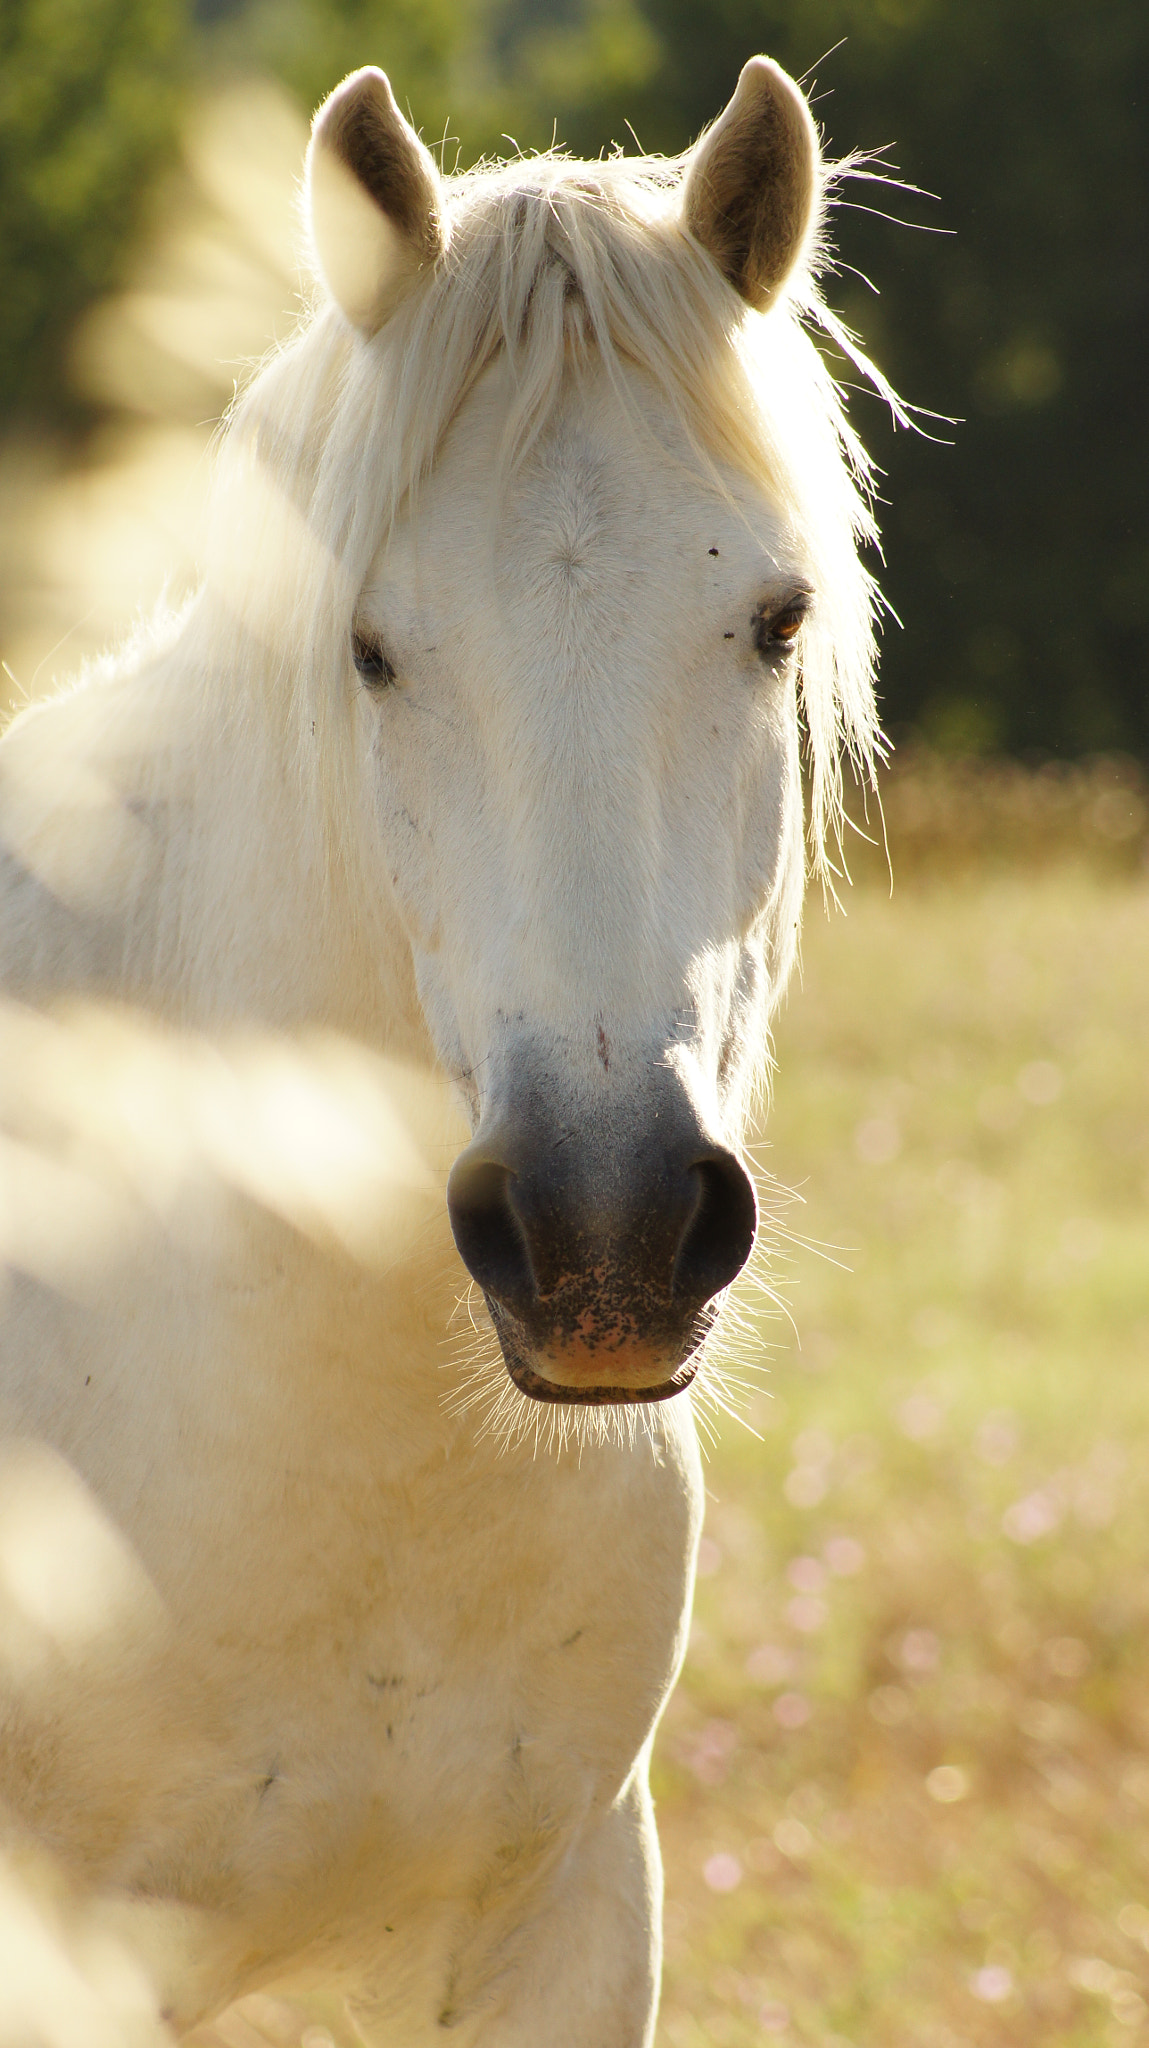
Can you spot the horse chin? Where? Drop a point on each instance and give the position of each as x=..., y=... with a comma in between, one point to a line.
x=579, y=1375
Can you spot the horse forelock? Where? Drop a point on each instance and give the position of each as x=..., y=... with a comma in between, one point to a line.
x=548, y=261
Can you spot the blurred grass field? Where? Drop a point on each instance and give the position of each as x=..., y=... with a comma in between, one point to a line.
x=903, y=1787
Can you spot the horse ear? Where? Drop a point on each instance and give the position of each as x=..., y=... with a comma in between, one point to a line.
x=753, y=183
x=374, y=198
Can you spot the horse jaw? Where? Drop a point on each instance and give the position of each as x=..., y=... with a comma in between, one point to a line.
x=374, y=200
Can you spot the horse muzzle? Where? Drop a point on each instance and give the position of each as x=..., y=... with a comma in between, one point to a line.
x=601, y=1241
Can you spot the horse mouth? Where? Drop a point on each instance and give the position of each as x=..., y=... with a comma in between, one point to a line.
x=530, y=1382
x=617, y=1375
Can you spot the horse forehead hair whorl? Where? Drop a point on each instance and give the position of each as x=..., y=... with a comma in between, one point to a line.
x=548, y=258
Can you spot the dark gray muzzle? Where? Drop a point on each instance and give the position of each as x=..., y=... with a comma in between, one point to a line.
x=600, y=1235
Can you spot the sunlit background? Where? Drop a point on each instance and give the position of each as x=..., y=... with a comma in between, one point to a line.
x=904, y=1785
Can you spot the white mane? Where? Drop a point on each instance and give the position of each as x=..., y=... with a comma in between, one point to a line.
x=548, y=260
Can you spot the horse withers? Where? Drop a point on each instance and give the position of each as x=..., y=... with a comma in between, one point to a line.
x=398, y=928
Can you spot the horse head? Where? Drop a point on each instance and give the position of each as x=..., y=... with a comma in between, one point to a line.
x=576, y=656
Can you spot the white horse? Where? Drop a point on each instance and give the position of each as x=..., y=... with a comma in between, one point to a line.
x=471, y=772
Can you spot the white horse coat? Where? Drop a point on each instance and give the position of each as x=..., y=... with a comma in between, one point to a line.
x=471, y=776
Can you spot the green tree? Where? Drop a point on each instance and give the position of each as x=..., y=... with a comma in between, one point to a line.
x=482, y=76
x=427, y=47
x=89, y=92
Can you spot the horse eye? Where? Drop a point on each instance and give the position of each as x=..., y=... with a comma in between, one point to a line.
x=775, y=631
x=371, y=662
x=787, y=626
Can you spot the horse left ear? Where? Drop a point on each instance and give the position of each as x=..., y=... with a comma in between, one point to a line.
x=753, y=183
x=374, y=198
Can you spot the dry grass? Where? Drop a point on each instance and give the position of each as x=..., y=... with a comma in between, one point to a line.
x=945, y=814
x=904, y=1785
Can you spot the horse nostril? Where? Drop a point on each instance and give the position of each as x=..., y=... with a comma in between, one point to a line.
x=717, y=1240
x=680, y=1232
x=490, y=1242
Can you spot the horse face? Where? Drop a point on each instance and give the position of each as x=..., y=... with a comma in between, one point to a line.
x=579, y=707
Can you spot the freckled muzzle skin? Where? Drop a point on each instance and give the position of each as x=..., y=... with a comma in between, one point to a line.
x=602, y=1237
x=614, y=1371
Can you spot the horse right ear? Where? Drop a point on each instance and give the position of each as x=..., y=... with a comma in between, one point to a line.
x=753, y=184
x=374, y=198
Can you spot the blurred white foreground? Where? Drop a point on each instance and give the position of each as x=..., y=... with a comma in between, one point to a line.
x=119, y=1136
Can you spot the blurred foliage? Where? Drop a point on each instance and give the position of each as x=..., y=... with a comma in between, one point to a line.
x=564, y=69
x=477, y=76
x=89, y=91
x=1017, y=542
x=309, y=45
